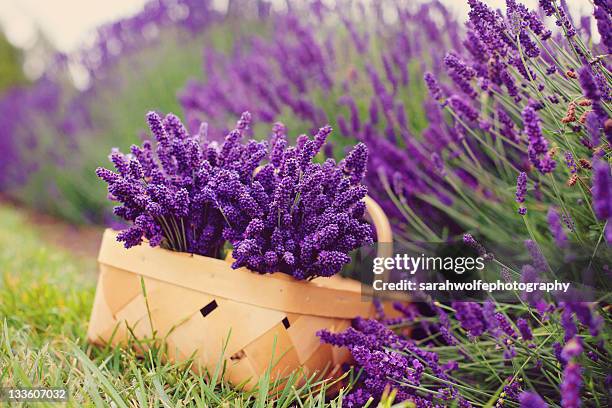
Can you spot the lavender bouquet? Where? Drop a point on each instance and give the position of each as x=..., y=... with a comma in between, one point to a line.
x=191, y=195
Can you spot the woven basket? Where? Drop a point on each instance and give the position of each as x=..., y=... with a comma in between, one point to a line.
x=202, y=307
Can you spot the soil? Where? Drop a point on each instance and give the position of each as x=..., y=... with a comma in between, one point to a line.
x=81, y=240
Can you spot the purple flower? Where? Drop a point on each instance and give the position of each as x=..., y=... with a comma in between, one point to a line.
x=572, y=349
x=191, y=195
x=571, y=385
x=602, y=190
x=490, y=27
x=531, y=400
x=471, y=317
x=592, y=91
x=521, y=191
x=309, y=216
x=432, y=85
x=556, y=228
x=568, y=324
x=387, y=360
x=604, y=26
x=538, y=145
x=593, y=125
x=469, y=240
x=557, y=349
x=460, y=73
x=539, y=262
x=505, y=325
x=438, y=164
x=183, y=194
x=586, y=316
x=570, y=162
x=463, y=108
x=524, y=328
x=588, y=84
x=507, y=126
x=355, y=163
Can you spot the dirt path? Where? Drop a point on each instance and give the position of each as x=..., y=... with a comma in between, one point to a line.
x=81, y=240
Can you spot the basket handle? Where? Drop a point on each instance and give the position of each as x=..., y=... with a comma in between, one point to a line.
x=382, y=226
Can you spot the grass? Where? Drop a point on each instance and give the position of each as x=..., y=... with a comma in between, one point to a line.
x=46, y=295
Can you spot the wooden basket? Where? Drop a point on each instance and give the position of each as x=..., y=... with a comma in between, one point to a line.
x=202, y=307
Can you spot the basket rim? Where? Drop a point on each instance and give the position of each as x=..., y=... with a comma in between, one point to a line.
x=334, y=297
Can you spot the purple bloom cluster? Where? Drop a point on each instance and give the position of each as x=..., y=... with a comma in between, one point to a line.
x=602, y=195
x=183, y=193
x=570, y=387
x=556, y=228
x=602, y=14
x=523, y=326
x=538, y=145
x=191, y=195
x=461, y=73
x=314, y=213
x=388, y=360
x=521, y=191
x=531, y=400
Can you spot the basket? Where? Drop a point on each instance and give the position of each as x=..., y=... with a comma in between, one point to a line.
x=203, y=308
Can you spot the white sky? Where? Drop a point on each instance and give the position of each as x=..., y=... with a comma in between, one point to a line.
x=68, y=23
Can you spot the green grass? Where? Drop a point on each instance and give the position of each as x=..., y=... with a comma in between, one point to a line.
x=46, y=295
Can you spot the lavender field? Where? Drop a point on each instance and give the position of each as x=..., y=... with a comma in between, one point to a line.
x=263, y=128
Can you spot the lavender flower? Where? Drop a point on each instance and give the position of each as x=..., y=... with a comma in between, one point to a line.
x=588, y=84
x=539, y=262
x=183, y=194
x=538, y=145
x=438, y=164
x=505, y=325
x=570, y=162
x=311, y=215
x=507, y=128
x=569, y=326
x=463, y=108
x=556, y=228
x=470, y=241
x=602, y=190
x=570, y=386
x=461, y=73
x=521, y=191
x=524, y=329
x=572, y=349
x=471, y=317
x=387, y=360
x=434, y=89
x=604, y=25
x=531, y=400
x=593, y=125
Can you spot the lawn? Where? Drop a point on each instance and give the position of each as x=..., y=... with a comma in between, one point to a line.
x=46, y=294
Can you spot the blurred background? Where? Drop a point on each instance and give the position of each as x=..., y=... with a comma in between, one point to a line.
x=77, y=78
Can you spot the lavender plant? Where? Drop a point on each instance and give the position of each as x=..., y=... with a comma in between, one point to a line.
x=525, y=117
x=471, y=354
x=188, y=194
x=526, y=153
x=55, y=128
x=361, y=78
